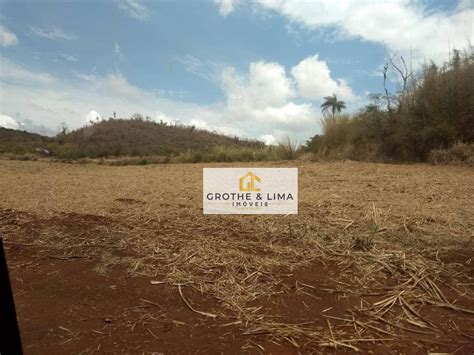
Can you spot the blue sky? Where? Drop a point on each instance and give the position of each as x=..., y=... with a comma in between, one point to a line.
x=255, y=68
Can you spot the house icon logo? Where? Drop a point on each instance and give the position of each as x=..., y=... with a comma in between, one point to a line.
x=247, y=182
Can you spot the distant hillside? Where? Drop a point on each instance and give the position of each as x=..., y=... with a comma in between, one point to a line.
x=21, y=142
x=121, y=137
x=117, y=137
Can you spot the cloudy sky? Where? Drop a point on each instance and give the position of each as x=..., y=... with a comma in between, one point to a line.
x=255, y=68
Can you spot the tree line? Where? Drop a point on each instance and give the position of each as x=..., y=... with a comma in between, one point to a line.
x=431, y=111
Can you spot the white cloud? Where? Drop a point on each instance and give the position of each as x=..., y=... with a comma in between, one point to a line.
x=265, y=85
x=259, y=103
x=198, y=123
x=8, y=122
x=161, y=117
x=7, y=38
x=118, y=85
x=69, y=58
x=12, y=72
x=314, y=80
x=265, y=102
x=428, y=35
x=466, y=4
x=92, y=116
x=48, y=100
x=135, y=9
x=54, y=34
x=191, y=63
x=403, y=26
x=206, y=69
x=86, y=77
x=268, y=139
x=226, y=6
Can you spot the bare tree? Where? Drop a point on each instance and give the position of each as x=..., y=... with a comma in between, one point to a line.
x=405, y=75
x=137, y=116
x=399, y=66
x=63, y=129
x=402, y=69
x=387, y=95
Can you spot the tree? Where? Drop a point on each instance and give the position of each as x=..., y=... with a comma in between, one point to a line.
x=332, y=103
x=405, y=74
x=137, y=116
x=63, y=129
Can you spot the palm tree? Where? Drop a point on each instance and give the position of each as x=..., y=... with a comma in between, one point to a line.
x=331, y=103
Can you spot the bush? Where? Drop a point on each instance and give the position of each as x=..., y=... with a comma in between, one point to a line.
x=288, y=150
x=435, y=111
x=459, y=154
x=227, y=154
x=308, y=157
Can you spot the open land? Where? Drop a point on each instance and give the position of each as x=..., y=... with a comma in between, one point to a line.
x=107, y=259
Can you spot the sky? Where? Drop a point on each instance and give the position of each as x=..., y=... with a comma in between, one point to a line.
x=253, y=68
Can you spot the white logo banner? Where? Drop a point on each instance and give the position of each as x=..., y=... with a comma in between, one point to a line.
x=250, y=190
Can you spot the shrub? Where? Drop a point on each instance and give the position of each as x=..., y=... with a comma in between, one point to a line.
x=435, y=111
x=459, y=154
x=288, y=150
x=225, y=154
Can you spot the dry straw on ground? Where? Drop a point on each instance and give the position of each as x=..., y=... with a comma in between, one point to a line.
x=396, y=261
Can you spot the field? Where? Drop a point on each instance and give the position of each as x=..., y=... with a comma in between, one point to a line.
x=107, y=259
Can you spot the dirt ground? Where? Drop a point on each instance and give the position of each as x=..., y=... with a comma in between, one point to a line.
x=110, y=259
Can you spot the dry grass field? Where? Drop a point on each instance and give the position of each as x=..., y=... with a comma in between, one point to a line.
x=110, y=259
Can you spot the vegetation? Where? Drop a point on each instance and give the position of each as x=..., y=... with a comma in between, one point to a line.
x=431, y=118
x=458, y=154
x=431, y=112
x=333, y=104
x=20, y=142
x=213, y=154
x=138, y=137
x=138, y=141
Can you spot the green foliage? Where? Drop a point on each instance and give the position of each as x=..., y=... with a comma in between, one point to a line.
x=435, y=111
x=333, y=105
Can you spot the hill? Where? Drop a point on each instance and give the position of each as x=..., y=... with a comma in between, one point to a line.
x=137, y=137
x=122, y=137
x=21, y=142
